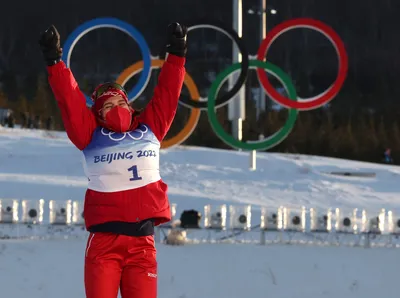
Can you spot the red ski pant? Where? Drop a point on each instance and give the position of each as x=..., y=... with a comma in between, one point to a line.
x=117, y=262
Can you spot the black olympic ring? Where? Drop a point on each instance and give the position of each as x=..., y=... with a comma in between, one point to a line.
x=233, y=35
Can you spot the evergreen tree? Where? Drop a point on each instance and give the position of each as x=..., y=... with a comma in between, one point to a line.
x=43, y=103
x=3, y=100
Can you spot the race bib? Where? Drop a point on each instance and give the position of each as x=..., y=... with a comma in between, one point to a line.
x=122, y=161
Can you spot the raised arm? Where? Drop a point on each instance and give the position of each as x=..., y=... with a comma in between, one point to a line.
x=160, y=111
x=79, y=121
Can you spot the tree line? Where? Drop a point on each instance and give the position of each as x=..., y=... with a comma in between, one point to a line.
x=359, y=134
x=360, y=123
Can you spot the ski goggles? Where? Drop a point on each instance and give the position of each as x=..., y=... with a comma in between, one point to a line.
x=108, y=86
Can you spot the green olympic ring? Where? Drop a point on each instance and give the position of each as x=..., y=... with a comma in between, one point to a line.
x=266, y=143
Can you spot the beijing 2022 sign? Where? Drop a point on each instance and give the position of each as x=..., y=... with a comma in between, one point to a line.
x=213, y=101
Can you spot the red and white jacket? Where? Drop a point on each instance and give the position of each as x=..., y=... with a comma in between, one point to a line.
x=132, y=205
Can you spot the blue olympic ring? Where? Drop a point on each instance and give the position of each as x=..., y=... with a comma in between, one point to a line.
x=86, y=27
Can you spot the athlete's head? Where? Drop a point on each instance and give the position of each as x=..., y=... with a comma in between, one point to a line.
x=110, y=105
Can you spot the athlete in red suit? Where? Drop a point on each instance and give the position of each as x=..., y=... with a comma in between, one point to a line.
x=120, y=252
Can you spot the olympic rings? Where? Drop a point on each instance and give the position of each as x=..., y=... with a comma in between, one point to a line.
x=196, y=103
x=326, y=96
x=194, y=95
x=85, y=28
x=121, y=136
x=244, y=66
x=253, y=145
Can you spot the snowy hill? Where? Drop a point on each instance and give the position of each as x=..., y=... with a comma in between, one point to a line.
x=38, y=164
x=52, y=169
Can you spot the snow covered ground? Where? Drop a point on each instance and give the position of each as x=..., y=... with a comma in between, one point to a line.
x=36, y=164
x=41, y=269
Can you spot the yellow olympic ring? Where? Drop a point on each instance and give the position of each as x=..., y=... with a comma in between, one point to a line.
x=187, y=130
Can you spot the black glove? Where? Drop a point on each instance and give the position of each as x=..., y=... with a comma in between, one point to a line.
x=176, y=43
x=50, y=44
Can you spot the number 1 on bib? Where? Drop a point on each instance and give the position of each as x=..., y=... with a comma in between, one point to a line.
x=135, y=175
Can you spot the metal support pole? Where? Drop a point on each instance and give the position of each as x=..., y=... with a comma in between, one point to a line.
x=236, y=108
x=262, y=103
x=253, y=160
x=253, y=156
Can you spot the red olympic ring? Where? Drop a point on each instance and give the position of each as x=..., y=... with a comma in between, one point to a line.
x=322, y=98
